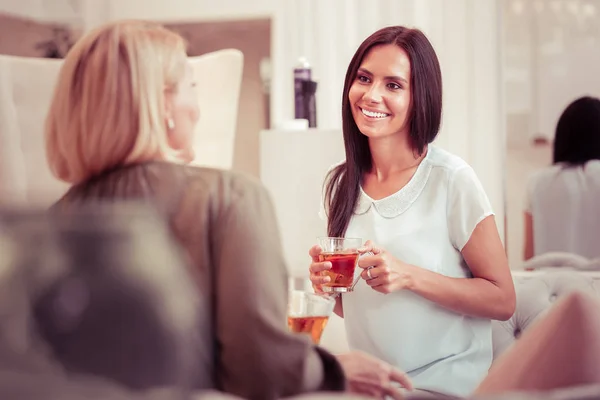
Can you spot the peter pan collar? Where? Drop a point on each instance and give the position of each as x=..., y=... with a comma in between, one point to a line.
x=397, y=203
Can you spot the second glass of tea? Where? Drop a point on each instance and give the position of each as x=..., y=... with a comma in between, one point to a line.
x=343, y=255
x=308, y=313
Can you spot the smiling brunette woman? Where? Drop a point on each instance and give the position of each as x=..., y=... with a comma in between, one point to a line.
x=438, y=274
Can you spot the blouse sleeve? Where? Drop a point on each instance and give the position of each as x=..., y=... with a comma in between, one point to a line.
x=468, y=205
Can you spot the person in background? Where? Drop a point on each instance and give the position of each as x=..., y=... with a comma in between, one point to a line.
x=120, y=128
x=562, y=212
x=438, y=274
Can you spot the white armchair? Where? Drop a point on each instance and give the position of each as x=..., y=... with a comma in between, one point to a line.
x=219, y=77
x=26, y=86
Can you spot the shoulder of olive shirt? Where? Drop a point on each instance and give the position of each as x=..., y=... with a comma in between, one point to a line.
x=168, y=186
x=226, y=223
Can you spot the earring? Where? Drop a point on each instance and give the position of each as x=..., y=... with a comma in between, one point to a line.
x=170, y=124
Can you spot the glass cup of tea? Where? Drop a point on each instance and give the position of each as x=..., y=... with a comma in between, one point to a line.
x=343, y=255
x=308, y=313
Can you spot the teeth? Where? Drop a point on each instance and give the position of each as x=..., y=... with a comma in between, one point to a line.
x=373, y=114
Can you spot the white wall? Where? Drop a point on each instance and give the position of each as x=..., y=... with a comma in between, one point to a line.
x=295, y=186
x=189, y=10
x=552, y=57
x=89, y=13
x=568, y=62
x=61, y=11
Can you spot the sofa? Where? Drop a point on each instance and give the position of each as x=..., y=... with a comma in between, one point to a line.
x=536, y=293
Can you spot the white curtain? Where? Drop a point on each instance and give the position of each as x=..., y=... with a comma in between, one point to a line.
x=54, y=11
x=466, y=35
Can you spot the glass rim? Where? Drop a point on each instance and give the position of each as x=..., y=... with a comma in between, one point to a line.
x=338, y=238
x=327, y=299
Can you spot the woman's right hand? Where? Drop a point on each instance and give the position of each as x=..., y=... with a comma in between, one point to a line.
x=370, y=376
x=316, y=268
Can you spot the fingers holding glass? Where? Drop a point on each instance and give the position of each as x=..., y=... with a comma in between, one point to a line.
x=342, y=255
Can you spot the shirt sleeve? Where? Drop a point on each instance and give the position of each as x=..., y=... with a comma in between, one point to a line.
x=468, y=205
x=257, y=356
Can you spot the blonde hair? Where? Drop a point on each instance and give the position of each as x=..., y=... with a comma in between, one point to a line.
x=108, y=107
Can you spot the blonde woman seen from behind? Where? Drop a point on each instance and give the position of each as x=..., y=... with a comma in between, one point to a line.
x=120, y=128
x=125, y=95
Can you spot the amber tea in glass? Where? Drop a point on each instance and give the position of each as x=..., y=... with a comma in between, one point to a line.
x=308, y=313
x=343, y=255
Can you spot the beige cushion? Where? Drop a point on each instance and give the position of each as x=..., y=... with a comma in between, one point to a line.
x=219, y=77
x=26, y=87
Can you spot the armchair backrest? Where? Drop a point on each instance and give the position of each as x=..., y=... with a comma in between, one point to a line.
x=219, y=77
x=26, y=88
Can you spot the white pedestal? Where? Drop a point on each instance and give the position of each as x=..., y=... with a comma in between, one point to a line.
x=293, y=165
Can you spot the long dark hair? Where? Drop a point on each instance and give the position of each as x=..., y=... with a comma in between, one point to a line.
x=577, y=137
x=342, y=184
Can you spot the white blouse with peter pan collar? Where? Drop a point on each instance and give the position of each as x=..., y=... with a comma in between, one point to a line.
x=426, y=224
x=563, y=201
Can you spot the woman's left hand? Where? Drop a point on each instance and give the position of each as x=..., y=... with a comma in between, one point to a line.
x=383, y=272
